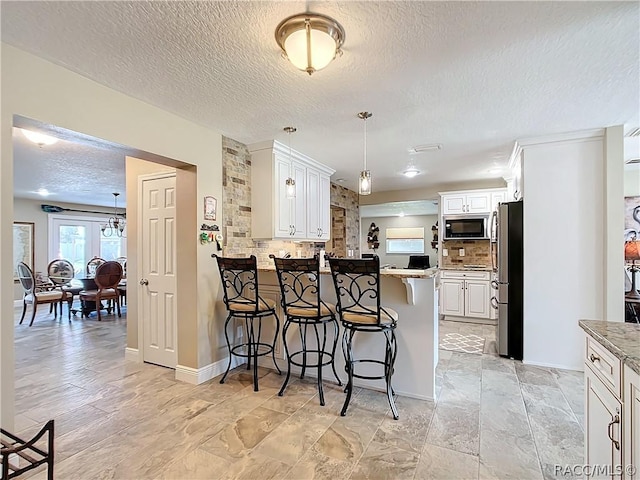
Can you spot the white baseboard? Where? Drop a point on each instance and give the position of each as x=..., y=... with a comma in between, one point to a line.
x=196, y=376
x=552, y=365
x=132, y=354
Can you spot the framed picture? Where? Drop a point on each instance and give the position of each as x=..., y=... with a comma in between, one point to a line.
x=210, y=207
x=23, y=238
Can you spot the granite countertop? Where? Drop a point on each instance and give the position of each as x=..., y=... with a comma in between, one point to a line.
x=387, y=272
x=621, y=339
x=463, y=269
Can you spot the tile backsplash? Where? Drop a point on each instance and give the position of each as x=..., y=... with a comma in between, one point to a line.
x=476, y=252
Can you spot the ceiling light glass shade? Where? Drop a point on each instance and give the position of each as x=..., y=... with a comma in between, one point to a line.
x=290, y=189
x=39, y=138
x=310, y=41
x=411, y=172
x=364, y=185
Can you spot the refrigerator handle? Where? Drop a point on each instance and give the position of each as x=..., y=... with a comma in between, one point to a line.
x=493, y=228
x=494, y=239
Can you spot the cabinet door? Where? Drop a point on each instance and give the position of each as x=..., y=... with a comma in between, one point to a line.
x=478, y=203
x=476, y=299
x=452, y=297
x=324, y=205
x=299, y=204
x=283, y=225
x=631, y=420
x=453, y=204
x=313, y=206
x=603, y=420
x=496, y=198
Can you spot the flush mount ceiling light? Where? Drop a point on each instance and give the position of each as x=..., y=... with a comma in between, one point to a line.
x=364, y=183
x=38, y=138
x=310, y=40
x=411, y=172
x=290, y=183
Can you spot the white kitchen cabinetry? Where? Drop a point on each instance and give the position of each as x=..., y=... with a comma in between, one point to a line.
x=273, y=215
x=319, y=205
x=465, y=293
x=472, y=201
x=631, y=395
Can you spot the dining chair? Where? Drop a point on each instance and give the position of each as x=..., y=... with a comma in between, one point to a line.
x=93, y=264
x=34, y=297
x=60, y=273
x=357, y=284
x=107, y=277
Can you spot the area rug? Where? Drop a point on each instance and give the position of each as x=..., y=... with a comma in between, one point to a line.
x=459, y=342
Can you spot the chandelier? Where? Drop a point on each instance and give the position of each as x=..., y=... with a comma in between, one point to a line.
x=364, y=183
x=116, y=223
x=310, y=41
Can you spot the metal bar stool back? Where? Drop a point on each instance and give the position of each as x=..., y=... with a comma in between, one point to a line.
x=299, y=280
x=357, y=285
x=241, y=297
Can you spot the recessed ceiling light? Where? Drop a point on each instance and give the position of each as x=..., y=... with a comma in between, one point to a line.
x=426, y=148
x=495, y=170
x=39, y=138
x=340, y=180
x=43, y=192
x=411, y=172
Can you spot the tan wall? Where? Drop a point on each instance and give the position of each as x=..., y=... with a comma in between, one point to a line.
x=39, y=90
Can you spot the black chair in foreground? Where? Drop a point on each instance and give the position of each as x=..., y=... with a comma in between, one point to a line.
x=357, y=284
x=299, y=280
x=240, y=286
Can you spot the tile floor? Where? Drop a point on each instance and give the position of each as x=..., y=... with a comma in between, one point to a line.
x=493, y=418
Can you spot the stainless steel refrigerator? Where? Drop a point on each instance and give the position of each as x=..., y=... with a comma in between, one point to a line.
x=507, y=258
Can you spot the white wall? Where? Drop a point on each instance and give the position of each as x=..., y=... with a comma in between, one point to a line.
x=401, y=261
x=39, y=90
x=564, y=254
x=632, y=180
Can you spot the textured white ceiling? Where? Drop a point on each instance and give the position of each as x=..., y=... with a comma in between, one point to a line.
x=472, y=76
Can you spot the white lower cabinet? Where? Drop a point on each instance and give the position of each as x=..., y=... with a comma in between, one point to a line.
x=631, y=393
x=465, y=294
x=603, y=418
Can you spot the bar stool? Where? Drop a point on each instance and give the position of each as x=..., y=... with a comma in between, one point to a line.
x=299, y=280
x=357, y=282
x=240, y=286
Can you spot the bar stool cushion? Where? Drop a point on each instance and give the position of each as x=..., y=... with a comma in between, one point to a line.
x=306, y=310
x=264, y=305
x=387, y=316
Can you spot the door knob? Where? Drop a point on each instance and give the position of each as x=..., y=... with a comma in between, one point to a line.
x=144, y=281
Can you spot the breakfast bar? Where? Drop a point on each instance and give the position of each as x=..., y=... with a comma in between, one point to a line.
x=413, y=294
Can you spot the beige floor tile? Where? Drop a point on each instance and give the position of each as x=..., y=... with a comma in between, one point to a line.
x=437, y=463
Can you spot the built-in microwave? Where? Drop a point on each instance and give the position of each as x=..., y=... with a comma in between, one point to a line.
x=464, y=227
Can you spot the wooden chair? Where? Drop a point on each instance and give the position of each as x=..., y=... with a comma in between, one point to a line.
x=107, y=277
x=60, y=273
x=93, y=264
x=34, y=297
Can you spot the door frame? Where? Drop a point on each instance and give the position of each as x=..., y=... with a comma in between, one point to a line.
x=141, y=313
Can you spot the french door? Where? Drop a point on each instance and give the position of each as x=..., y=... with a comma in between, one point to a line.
x=79, y=239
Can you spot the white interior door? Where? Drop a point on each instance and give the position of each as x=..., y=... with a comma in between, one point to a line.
x=158, y=279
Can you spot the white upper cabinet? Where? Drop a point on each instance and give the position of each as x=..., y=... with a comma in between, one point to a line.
x=471, y=202
x=273, y=215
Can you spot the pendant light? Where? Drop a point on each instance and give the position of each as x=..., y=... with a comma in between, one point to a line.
x=115, y=225
x=290, y=183
x=364, y=183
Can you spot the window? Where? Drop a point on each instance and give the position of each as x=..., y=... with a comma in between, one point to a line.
x=79, y=239
x=405, y=240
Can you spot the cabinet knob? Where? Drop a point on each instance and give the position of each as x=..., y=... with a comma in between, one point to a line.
x=594, y=358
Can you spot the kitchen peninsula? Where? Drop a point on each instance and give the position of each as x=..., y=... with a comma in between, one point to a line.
x=411, y=293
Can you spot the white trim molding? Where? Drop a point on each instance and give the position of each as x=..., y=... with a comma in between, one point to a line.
x=577, y=136
x=132, y=354
x=196, y=376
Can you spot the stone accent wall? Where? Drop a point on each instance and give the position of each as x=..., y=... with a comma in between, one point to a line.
x=236, y=201
x=476, y=252
x=348, y=199
x=338, y=243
